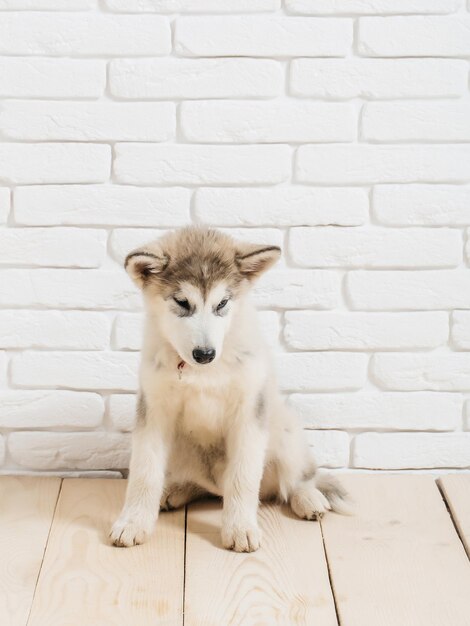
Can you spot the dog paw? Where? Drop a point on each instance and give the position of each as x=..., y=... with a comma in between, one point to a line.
x=126, y=533
x=309, y=504
x=241, y=538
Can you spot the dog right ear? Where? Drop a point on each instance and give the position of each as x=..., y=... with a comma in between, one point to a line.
x=142, y=265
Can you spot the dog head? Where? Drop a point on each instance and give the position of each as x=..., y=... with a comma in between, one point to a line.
x=192, y=280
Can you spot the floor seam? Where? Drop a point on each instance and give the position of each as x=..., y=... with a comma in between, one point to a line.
x=449, y=511
x=330, y=578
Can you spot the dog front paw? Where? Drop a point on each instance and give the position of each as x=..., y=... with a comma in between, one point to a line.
x=126, y=532
x=242, y=538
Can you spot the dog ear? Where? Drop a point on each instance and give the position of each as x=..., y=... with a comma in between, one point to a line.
x=142, y=265
x=254, y=259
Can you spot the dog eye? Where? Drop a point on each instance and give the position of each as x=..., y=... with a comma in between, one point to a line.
x=221, y=304
x=184, y=304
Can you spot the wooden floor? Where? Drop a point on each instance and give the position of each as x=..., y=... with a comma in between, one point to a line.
x=398, y=561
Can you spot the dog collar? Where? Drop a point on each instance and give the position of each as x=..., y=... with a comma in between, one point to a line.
x=180, y=366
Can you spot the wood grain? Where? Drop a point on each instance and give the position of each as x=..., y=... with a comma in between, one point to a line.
x=285, y=583
x=456, y=490
x=27, y=508
x=86, y=582
x=398, y=561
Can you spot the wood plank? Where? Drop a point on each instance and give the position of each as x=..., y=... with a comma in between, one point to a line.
x=398, y=560
x=86, y=582
x=283, y=583
x=27, y=508
x=456, y=490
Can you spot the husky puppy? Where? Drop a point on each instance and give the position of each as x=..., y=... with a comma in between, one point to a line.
x=210, y=418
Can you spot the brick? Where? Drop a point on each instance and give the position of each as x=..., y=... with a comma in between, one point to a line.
x=76, y=370
x=460, y=333
x=54, y=329
x=122, y=411
x=68, y=289
x=189, y=6
x=84, y=34
x=127, y=331
x=124, y=240
x=51, y=78
x=53, y=247
x=467, y=415
x=103, y=205
x=268, y=236
x=281, y=206
x=50, y=409
x=54, y=163
x=371, y=7
x=422, y=205
x=418, y=36
x=47, y=5
x=382, y=164
x=267, y=122
x=376, y=247
x=330, y=448
x=379, y=410
x=88, y=121
x=413, y=121
x=196, y=165
x=262, y=36
x=321, y=371
x=298, y=289
x=308, y=330
x=3, y=369
x=411, y=450
x=2, y=449
x=96, y=450
x=4, y=204
x=434, y=372
x=195, y=78
x=375, y=79
x=395, y=291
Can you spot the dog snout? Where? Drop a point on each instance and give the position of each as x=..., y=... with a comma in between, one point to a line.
x=203, y=355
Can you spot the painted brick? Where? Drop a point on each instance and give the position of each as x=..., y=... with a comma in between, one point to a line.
x=424, y=205
x=411, y=450
x=53, y=247
x=418, y=36
x=4, y=204
x=196, y=165
x=395, y=291
x=460, y=333
x=189, y=6
x=371, y=7
x=382, y=164
x=82, y=330
x=262, y=36
x=357, y=247
x=330, y=448
x=2, y=449
x=267, y=122
x=321, y=371
x=76, y=370
x=281, y=206
x=54, y=163
x=85, y=34
x=195, y=78
x=103, y=205
x=379, y=410
x=97, y=450
x=298, y=289
x=124, y=240
x=121, y=411
x=50, y=409
x=435, y=372
x=309, y=330
x=412, y=121
x=68, y=289
x=47, y=5
x=51, y=78
x=375, y=79
x=88, y=121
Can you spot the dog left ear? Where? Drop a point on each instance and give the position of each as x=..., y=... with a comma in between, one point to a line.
x=253, y=259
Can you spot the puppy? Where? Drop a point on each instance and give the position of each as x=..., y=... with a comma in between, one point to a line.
x=210, y=418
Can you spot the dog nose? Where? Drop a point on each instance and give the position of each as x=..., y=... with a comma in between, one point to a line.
x=203, y=355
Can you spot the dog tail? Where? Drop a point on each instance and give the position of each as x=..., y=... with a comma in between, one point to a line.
x=335, y=493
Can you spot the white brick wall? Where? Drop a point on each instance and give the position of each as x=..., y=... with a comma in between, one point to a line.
x=338, y=129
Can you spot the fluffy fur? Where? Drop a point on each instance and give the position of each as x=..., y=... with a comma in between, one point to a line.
x=220, y=427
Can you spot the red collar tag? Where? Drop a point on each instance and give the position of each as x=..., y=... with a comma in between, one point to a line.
x=181, y=364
